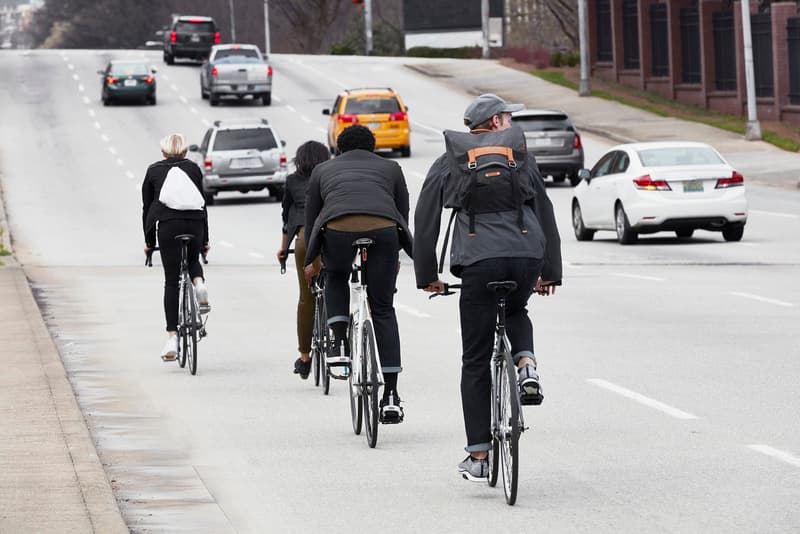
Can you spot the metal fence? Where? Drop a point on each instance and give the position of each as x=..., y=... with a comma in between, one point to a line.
x=630, y=34
x=761, y=28
x=793, y=38
x=659, y=37
x=724, y=51
x=690, y=45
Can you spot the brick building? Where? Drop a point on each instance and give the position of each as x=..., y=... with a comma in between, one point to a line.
x=693, y=51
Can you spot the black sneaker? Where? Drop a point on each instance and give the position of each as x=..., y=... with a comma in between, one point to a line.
x=474, y=469
x=530, y=391
x=338, y=357
x=302, y=368
x=391, y=412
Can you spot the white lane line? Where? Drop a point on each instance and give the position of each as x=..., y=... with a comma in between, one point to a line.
x=81, y=88
x=183, y=99
x=638, y=277
x=320, y=129
x=129, y=174
x=226, y=244
x=86, y=100
x=70, y=66
x=205, y=122
x=411, y=311
x=256, y=255
x=572, y=265
x=120, y=162
x=277, y=99
x=783, y=456
x=96, y=125
x=164, y=77
x=776, y=214
x=64, y=57
x=638, y=397
x=437, y=131
x=91, y=113
x=193, y=110
x=305, y=119
x=762, y=299
x=112, y=150
x=75, y=76
x=174, y=87
x=104, y=137
x=291, y=108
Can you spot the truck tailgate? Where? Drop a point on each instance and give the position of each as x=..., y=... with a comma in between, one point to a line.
x=246, y=73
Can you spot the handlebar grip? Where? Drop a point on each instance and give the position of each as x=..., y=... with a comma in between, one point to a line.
x=283, y=259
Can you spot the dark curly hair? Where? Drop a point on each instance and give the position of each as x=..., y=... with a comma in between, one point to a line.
x=355, y=137
x=309, y=155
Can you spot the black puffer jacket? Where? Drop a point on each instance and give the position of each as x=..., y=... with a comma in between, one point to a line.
x=293, y=205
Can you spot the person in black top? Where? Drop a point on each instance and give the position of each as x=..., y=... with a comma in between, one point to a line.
x=172, y=204
x=360, y=194
x=308, y=155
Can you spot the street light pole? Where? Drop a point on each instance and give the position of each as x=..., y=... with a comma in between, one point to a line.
x=266, y=28
x=752, y=131
x=485, y=27
x=368, y=25
x=584, y=89
x=233, y=24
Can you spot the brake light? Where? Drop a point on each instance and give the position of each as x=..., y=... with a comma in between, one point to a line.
x=269, y=70
x=648, y=184
x=283, y=160
x=348, y=118
x=577, y=143
x=398, y=116
x=214, y=71
x=173, y=37
x=207, y=164
x=735, y=180
x=148, y=79
x=111, y=80
x=216, y=37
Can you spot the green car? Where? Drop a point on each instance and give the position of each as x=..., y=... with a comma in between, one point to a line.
x=128, y=80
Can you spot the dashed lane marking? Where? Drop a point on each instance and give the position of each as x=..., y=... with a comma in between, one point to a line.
x=277, y=99
x=762, y=299
x=75, y=76
x=174, y=87
x=641, y=399
x=129, y=174
x=205, y=122
x=305, y=119
x=112, y=150
x=193, y=110
x=104, y=137
x=783, y=456
x=120, y=162
x=256, y=255
x=81, y=88
x=183, y=99
x=411, y=311
x=96, y=125
x=91, y=113
x=322, y=130
x=291, y=108
x=776, y=214
x=86, y=100
x=638, y=277
x=70, y=66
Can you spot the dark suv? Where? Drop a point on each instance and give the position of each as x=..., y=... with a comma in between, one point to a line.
x=189, y=36
x=552, y=138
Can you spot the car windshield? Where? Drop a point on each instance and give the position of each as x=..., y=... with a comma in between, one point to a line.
x=366, y=106
x=129, y=68
x=194, y=27
x=245, y=139
x=683, y=155
x=543, y=123
x=236, y=54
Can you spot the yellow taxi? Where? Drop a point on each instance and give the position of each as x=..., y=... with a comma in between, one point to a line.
x=379, y=109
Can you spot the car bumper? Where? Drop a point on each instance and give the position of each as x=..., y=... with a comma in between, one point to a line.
x=398, y=138
x=190, y=51
x=566, y=163
x=241, y=88
x=648, y=212
x=130, y=92
x=216, y=182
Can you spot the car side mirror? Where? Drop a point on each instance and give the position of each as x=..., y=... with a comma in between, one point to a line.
x=326, y=111
x=585, y=175
x=283, y=143
x=153, y=70
x=193, y=148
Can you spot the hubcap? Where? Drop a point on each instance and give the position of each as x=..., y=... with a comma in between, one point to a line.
x=620, y=222
x=577, y=221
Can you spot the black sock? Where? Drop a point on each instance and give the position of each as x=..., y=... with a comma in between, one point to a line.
x=339, y=333
x=390, y=383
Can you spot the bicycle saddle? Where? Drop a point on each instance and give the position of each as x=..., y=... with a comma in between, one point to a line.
x=363, y=242
x=184, y=237
x=502, y=288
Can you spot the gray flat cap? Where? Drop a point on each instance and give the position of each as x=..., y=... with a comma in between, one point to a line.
x=485, y=107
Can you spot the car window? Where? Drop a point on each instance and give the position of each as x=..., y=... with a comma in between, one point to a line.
x=685, y=155
x=543, y=123
x=238, y=53
x=245, y=138
x=129, y=68
x=603, y=166
x=364, y=106
x=206, y=138
x=622, y=163
x=335, y=108
x=194, y=27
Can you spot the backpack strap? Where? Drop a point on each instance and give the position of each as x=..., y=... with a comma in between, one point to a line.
x=474, y=153
x=517, y=191
x=446, y=240
x=473, y=186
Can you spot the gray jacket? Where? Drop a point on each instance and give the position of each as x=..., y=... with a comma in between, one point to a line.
x=357, y=182
x=497, y=235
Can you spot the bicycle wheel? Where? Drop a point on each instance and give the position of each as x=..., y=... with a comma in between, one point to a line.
x=494, y=458
x=354, y=380
x=369, y=375
x=181, y=328
x=325, y=338
x=316, y=347
x=192, y=325
x=509, y=428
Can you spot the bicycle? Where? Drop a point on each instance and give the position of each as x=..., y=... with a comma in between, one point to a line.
x=191, y=324
x=507, y=422
x=365, y=377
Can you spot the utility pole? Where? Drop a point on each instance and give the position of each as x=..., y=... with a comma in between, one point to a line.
x=485, y=27
x=368, y=25
x=266, y=28
x=752, y=131
x=584, y=89
x=233, y=24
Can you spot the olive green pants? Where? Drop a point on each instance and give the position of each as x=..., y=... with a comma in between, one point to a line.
x=305, y=302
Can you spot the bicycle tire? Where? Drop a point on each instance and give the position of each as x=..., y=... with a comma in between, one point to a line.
x=326, y=343
x=510, y=428
x=181, y=331
x=193, y=325
x=356, y=407
x=494, y=451
x=369, y=374
x=316, y=347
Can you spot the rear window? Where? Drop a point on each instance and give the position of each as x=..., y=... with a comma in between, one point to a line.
x=236, y=53
x=194, y=27
x=543, y=123
x=366, y=106
x=129, y=68
x=667, y=157
x=246, y=138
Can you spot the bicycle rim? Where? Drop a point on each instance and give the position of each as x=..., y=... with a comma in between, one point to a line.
x=316, y=355
x=509, y=429
x=354, y=386
x=193, y=325
x=181, y=331
x=494, y=452
x=369, y=373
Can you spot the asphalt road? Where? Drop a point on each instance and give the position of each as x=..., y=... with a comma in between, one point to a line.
x=670, y=369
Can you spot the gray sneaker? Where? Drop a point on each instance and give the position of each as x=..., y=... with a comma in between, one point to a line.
x=474, y=469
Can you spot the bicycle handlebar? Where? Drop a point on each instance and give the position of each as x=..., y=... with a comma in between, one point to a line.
x=447, y=291
x=283, y=259
x=148, y=260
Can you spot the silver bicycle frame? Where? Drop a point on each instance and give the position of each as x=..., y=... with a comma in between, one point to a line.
x=361, y=314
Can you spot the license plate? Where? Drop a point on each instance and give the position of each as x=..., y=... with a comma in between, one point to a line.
x=544, y=141
x=245, y=163
x=195, y=38
x=373, y=125
x=130, y=83
x=693, y=186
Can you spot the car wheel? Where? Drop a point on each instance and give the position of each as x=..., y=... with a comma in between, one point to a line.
x=213, y=99
x=209, y=198
x=152, y=100
x=169, y=59
x=573, y=178
x=733, y=233
x=625, y=234
x=684, y=233
x=266, y=99
x=203, y=94
x=581, y=232
x=405, y=151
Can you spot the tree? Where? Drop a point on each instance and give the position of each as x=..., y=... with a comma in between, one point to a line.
x=310, y=21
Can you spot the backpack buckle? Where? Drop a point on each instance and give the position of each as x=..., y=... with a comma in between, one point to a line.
x=512, y=163
x=472, y=165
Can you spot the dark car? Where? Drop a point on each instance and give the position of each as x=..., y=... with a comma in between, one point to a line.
x=190, y=37
x=552, y=138
x=128, y=80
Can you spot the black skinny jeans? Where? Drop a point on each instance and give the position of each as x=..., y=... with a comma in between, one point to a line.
x=171, y=260
x=478, y=310
x=382, y=257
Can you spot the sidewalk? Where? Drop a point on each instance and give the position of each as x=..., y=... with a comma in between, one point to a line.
x=760, y=162
x=51, y=479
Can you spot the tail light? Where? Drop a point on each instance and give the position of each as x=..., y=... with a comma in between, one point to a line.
x=111, y=80
x=173, y=37
x=399, y=116
x=214, y=71
x=269, y=70
x=148, y=79
x=283, y=160
x=735, y=180
x=577, y=143
x=216, y=37
x=648, y=184
x=348, y=118
x=207, y=164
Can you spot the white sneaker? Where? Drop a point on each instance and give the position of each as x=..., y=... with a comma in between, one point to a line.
x=201, y=292
x=170, y=350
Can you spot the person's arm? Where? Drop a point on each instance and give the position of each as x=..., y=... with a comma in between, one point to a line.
x=427, y=219
x=148, y=195
x=543, y=208
x=401, y=194
x=286, y=205
x=313, y=207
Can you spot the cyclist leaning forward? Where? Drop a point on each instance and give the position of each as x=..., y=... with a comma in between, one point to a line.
x=355, y=195
x=488, y=248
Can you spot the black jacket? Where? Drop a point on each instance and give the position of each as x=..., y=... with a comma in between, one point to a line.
x=497, y=234
x=293, y=206
x=153, y=210
x=357, y=182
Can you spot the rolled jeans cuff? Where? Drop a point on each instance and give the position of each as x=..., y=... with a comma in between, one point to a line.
x=395, y=369
x=338, y=319
x=480, y=447
x=523, y=354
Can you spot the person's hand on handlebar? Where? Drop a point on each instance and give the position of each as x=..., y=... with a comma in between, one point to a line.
x=311, y=270
x=148, y=249
x=545, y=287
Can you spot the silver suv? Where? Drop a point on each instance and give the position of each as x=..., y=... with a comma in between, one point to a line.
x=552, y=138
x=241, y=155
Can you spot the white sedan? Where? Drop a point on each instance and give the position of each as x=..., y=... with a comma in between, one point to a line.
x=643, y=188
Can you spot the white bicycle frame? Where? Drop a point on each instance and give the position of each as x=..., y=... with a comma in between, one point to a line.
x=361, y=314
